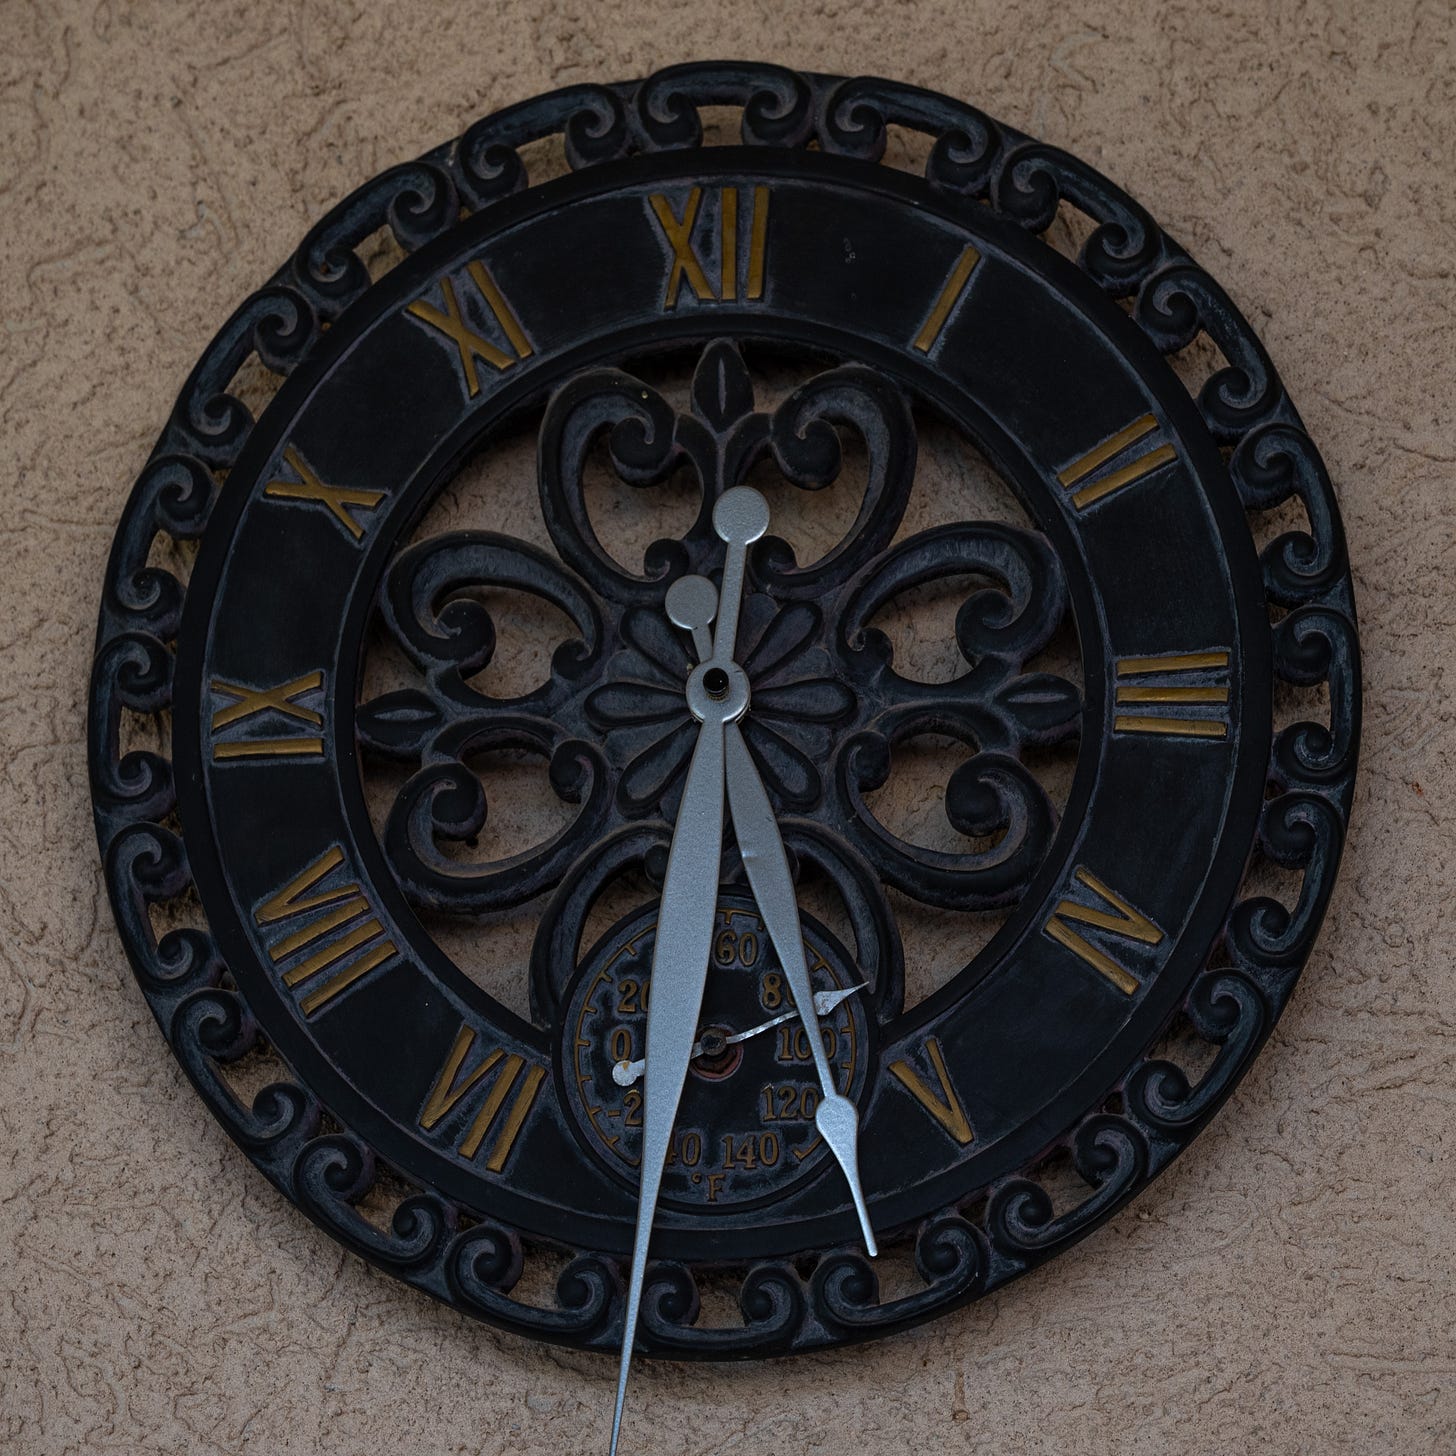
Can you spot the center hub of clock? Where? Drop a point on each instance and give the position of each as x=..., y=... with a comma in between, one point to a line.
x=718, y=691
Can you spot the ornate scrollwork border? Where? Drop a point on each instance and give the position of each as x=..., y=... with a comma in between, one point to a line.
x=959, y=1253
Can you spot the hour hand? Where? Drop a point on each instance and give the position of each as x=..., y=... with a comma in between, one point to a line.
x=762, y=848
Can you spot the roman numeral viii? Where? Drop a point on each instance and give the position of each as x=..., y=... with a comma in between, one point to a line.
x=940, y=1101
x=240, y=704
x=512, y=1073
x=332, y=938
x=688, y=268
x=1086, y=478
x=1121, y=922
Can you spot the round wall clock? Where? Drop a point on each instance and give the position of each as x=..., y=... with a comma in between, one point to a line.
x=723, y=747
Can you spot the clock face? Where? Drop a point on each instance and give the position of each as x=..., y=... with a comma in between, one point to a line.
x=1045, y=663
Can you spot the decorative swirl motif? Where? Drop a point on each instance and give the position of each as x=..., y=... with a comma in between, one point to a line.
x=277, y=324
x=858, y=114
x=133, y=670
x=445, y=800
x=777, y=105
x=207, y=1025
x=213, y=1027
x=147, y=865
x=418, y=202
x=806, y=447
x=771, y=1301
x=175, y=495
x=950, y=1256
x=1225, y=1009
x=592, y=120
x=1108, y=1152
x=1271, y=465
x=1120, y=253
x=827, y=705
x=1316, y=645
x=997, y=628
x=484, y=1264
x=644, y=450
x=1299, y=831
x=451, y=636
x=333, y=1173
x=1177, y=304
x=989, y=794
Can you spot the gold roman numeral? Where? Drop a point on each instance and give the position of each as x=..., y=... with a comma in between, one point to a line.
x=1122, y=921
x=451, y=1085
x=950, y=295
x=687, y=267
x=1134, y=699
x=325, y=909
x=1099, y=487
x=336, y=499
x=943, y=1105
x=248, y=702
x=470, y=344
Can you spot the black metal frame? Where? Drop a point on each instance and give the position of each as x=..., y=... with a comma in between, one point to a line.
x=965, y=1250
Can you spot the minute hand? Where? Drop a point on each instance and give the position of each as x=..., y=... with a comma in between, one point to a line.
x=680, y=958
x=762, y=848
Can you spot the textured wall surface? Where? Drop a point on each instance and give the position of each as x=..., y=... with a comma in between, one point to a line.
x=1287, y=1287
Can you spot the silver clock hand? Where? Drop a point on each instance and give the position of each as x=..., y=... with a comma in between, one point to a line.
x=626, y=1072
x=680, y=958
x=824, y=1003
x=762, y=848
x=717, y=694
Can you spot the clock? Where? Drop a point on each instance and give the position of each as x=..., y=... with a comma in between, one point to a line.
x=723, y=746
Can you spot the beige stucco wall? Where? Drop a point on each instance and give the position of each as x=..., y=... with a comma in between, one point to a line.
x=1286, y=1288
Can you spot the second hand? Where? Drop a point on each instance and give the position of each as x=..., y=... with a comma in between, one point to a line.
x=626, y=1072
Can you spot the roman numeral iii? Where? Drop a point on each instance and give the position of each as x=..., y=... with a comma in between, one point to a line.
x=330, y=936
x=688, y=268
x=512, y=1075
x=1185, y=695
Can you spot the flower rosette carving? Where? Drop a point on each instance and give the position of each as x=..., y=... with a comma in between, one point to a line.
x=829, y=708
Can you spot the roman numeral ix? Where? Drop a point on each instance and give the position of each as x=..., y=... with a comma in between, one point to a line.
x=242, y=703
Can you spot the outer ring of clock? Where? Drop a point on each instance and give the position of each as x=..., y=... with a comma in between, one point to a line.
x=1291, y=793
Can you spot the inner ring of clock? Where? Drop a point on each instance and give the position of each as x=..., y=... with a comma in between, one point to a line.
x=916, y=685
